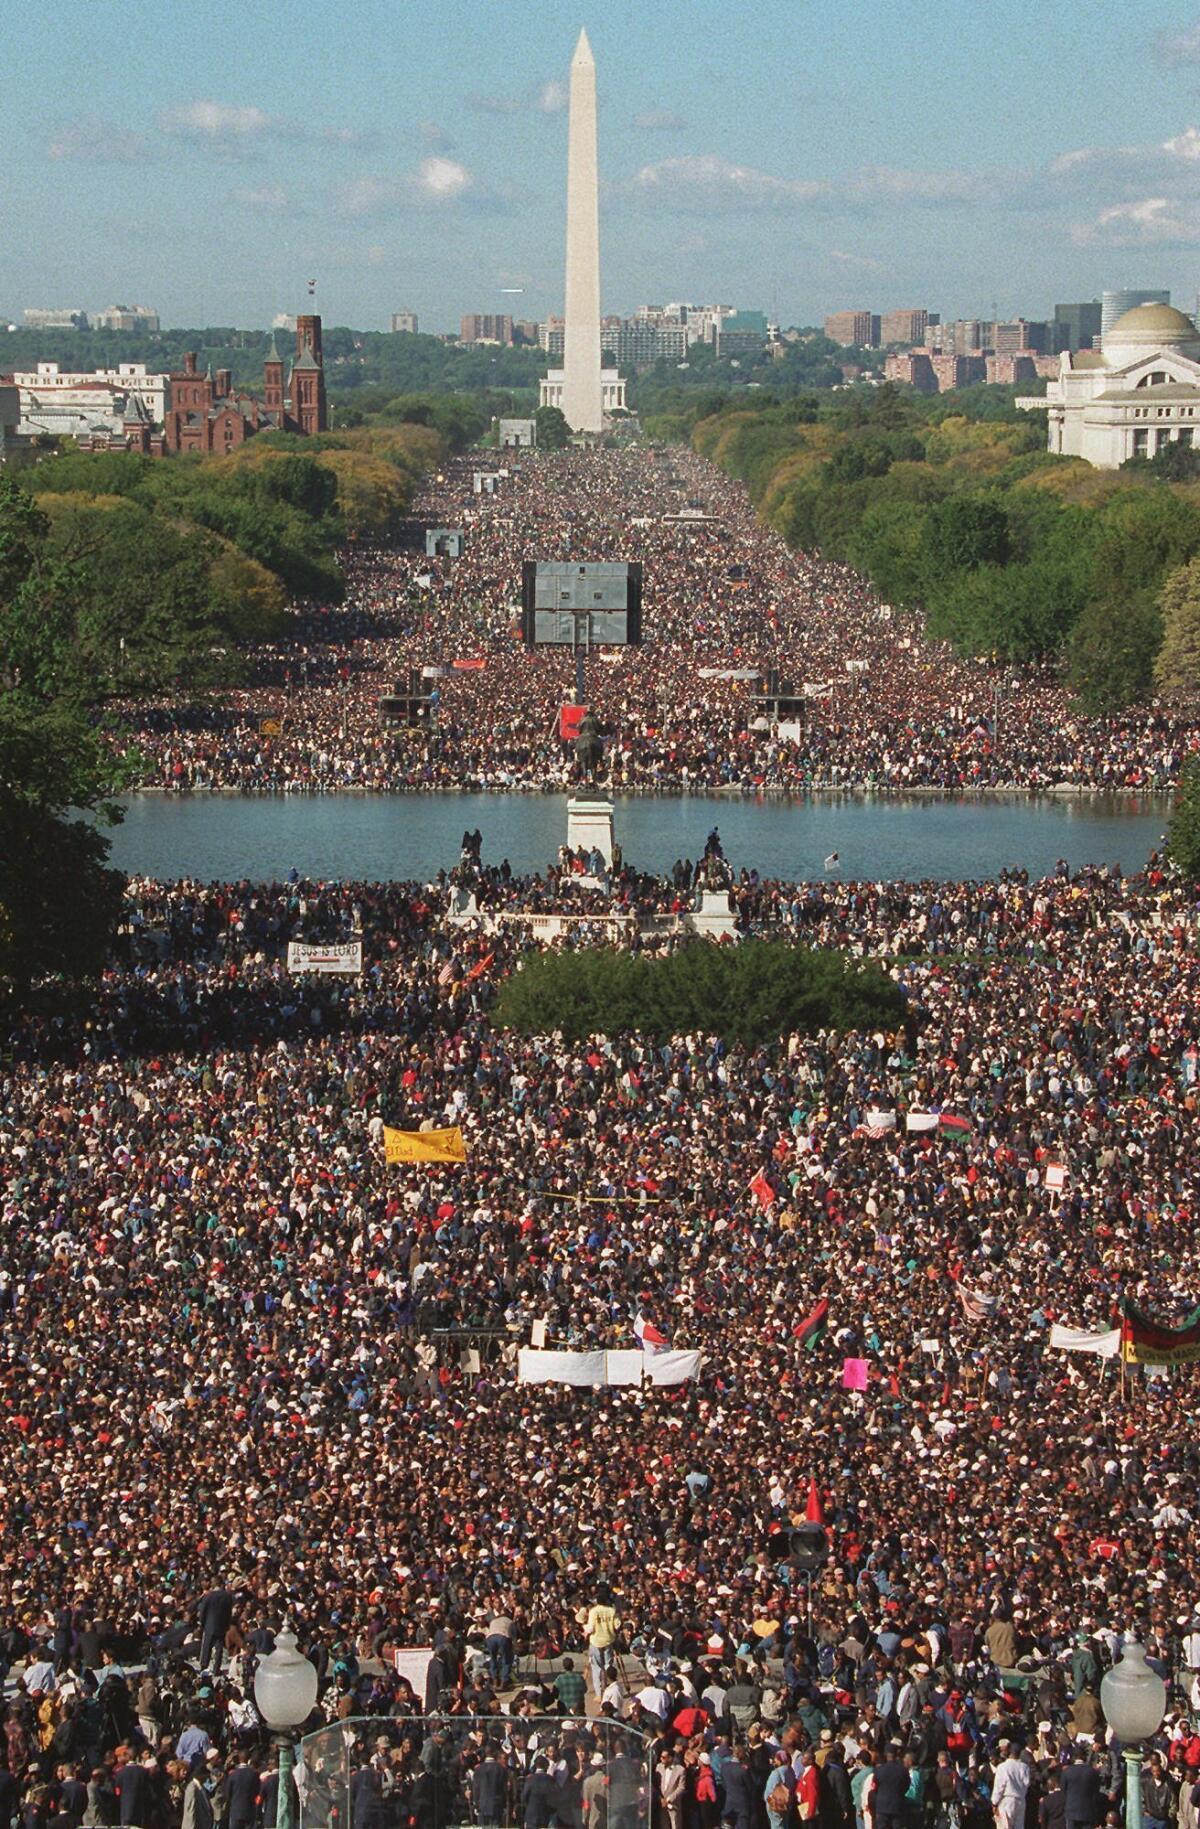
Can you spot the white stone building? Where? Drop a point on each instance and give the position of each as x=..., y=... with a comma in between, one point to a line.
x=69, y=405
x=1128, y=398
x=612, y=390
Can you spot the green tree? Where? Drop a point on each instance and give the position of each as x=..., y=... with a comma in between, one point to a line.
x=1177, y=668
x=1111, y=652
x=58, y=899
x=1183, y=835
x=964, y=533
x=553, y=432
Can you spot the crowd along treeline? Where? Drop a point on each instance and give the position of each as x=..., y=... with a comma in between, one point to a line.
x=121, y=575
x=955, y=506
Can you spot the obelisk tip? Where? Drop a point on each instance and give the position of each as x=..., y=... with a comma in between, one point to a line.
x=583, y=51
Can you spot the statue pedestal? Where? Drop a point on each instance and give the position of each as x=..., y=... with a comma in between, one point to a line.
x=590, y=825
x=714, y=918
x=463, y=907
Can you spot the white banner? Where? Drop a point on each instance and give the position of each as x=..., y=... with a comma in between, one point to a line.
x=581, y=1369
x=727, y=673
x=672, y=1368
x=625, y=1366
x=344, y=959
x=921, y=1120
x=1106, y=1343
x=585, y=1371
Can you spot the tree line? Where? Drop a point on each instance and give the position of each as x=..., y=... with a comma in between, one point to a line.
x=953, y=505
x=122, y=575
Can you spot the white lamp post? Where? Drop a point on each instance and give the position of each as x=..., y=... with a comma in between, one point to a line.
x=1134, y=1700
x=285, y=1693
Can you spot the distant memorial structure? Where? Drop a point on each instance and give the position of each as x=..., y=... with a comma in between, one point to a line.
x=584, y=394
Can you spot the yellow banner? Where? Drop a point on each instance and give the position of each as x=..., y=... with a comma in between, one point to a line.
x=424, y=1145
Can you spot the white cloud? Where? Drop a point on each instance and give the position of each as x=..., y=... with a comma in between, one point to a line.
x=214, y=121
x=1180, y=47
x=437, y=183
x=544, y=98
x=441, y=178
x=232, y=131
x=889, y=184
x=708, y=182
x=1185, y=145
x=1143, y=222
x=659, y=120
x=99, y=142
x=856, y=263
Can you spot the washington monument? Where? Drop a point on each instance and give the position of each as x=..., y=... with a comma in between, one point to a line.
x=582, y=397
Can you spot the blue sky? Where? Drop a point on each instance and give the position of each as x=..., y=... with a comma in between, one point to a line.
x=209, y=157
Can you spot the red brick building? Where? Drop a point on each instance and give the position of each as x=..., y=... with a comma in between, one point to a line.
x=208, y=414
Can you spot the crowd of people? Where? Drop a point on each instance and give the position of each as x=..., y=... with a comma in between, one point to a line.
x=250, y=1373
x=877, y=704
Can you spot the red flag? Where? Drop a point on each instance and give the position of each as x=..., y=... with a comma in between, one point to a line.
x=813, y=1513
x=477, y=971
x=568, y=722
x=763, y=1192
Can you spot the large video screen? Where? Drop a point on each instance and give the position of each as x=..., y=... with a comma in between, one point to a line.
x=566, y=603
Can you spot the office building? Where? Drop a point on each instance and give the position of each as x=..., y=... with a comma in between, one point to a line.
x=857, y=328
x=486, y=327
x=907, y=326
x=1007, y=339
x=127, y=317
x=38, y=318
x=1114, y=305
x=1077, y=326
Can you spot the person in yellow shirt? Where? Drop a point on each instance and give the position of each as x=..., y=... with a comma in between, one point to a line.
x=600, y=1627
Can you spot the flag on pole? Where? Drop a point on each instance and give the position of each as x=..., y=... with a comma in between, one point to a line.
x=477, y=971
x=809, y=1331
x=651, y=1338
x=950, y=1120
x=831, y=861
x=424, y=1145
x=762, y=1191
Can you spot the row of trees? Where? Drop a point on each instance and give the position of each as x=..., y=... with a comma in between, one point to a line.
x=955, y=506
x=124, y=575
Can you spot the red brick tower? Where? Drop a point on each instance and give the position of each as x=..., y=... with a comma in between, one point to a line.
x=309, y=413
x=273, y=383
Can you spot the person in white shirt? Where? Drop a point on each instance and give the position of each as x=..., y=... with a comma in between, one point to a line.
x=654, y=1700
x=1010, y=1787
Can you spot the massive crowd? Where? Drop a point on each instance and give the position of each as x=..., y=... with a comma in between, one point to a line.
x=249, y=1372
x=882, y=706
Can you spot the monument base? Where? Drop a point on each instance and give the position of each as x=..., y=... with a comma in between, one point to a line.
x=590, y=825
x=463, y=907
x=714, y=918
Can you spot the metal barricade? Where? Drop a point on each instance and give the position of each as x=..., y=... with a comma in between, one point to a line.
x=491, y=1771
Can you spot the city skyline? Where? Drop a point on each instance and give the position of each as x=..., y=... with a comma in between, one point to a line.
x=954, y=169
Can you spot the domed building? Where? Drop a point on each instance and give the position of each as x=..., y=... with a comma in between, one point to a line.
x=1128, y=398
